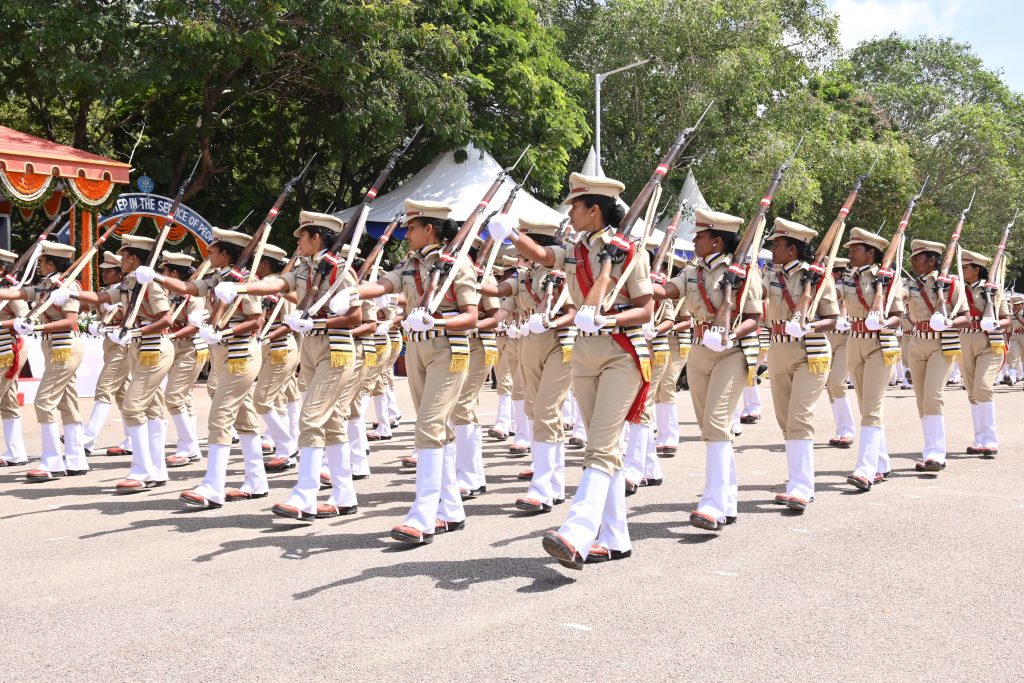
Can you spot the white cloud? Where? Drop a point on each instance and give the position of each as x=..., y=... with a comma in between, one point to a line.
x=864, y=19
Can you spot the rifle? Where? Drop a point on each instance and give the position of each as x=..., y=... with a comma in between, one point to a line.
x=488, y=253
x=825, y=254
x=455, y=251
x=943, y=282
x=620, y=243
x=197, y=275
x=992, y=284
x=72, y=272
x=378, y=248
x=29, y=256
x=135, y=299
x=742, y=255
x=670, y=235
x=254, y=250
x=885, y=274
x=349, y=234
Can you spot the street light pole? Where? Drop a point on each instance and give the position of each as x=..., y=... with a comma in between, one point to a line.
x=598, y=80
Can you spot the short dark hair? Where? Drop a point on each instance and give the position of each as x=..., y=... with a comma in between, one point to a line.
x=325, y=233
x=804, y=252
x=59, y=263
x=180, y=272
x=730, y=240
x=142, y=254
x=233, y=251
x=611, y=211
x=878, y=255
x=446, y=228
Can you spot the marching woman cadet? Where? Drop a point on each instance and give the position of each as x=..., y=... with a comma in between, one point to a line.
x=544, y=361
x=717, y=372
x=436, y=362
x=607, y=378
x=982, y=345
x=12, y=359
x=798, y=356
x=328, y=361
x=63, y=350
x=190, y=355
x=666, y=413
x=150, y=355
x=235, y=359
x=840, y=370
x=1015, y=350
x=113, y=378
x=928, y=353
x=869, y=365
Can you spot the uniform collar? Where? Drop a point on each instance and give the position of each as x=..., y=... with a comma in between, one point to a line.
x=793, y=265
x=715, y=260
x=866, y=268
x=924, y=278
x=427, y=251
x=598, y=238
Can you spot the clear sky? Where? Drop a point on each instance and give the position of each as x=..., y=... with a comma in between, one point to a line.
x=990, y=26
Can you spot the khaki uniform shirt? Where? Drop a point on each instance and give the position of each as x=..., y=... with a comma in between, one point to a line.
x=865, y=276
x=463, y=292
x=154, y=300
x=248, y=306
x=714, y=268
x=918, y=309
x=976, y=292
x=638, y=282
x=778, y=308
x=36, y=294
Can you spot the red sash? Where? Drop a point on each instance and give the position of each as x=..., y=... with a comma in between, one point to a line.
x=975, y=313
x=16, y=344
x=585, y=280
x=928, y=302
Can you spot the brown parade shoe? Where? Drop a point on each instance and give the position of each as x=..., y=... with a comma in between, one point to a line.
x=702, y=520
x=518, y=451
x=326, y=510
x=989, y=453
x=376, y=436
x=238, y=495
x=39, y=476
x=180, y=460
x=859, y=482
x=798, y=504
x=666, y=451
x=651, y=481
x=631, y=487
x=117, y=450
x=360, y=477
x=881, y=477
x=598, y=554
x=525, y=475
x=557, y=547
x=576, y=442
x=409, y=461
x=126, y=486
x=974, y=450
x=410, y=535
x=267, y=448
x=442, y=526
x=780, y=499
x=281, y=463
x=12, y=463
x=470, y=494
x=497, y=434
x=325, y=480
x=750, y=419
x=919, y=465
x=194, y=500
x=841, y=442
x=532, y=505
x=292, y=512
x=934, y=465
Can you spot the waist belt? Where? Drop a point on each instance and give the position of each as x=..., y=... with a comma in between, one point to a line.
x=778, y=333
x=859, y=330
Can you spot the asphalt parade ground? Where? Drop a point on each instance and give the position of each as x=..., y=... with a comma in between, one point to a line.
x=918, y=579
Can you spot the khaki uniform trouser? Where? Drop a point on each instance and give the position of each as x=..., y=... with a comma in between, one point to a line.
x=291, y=392
x=232, y=400
x=665, y=389
x=328, y=391
x=1015, y=351
x=385, y=379
x=336, y=428
x=795, y=389
x=716, y=384
x=605, y=380
x=273, y=378
x=840, y=369
x=929, y=370
x=503, y=372
x=979, y=366
x=57, y=391
x=182, y=377
x=110, y=385
x=361, y=383
x=870, y=378
x=547, y=381
x=9, y=408
x=469, y=396
x=144, y=400
x=435, y=390
x=513, y=348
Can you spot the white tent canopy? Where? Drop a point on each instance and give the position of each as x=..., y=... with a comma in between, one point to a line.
x=462, y=185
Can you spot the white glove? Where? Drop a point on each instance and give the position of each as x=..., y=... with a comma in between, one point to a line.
x=209, y=335
x=198, y=318
x=144, y=275
x=713, y=340
x=107, y=308
x=382, y=301
x=121, y=339
x=589, y=320
x=842, y=324
x=60, y=296
x=513, y=331
x=421, y=321
x=989, y=324
x=96, y=328
x=500, y=227
x=873, y=322
x=23, y=327
x=650, y=331
x=383, y=327
x=501, y=327
x=298, y=322
x=227, y=292
x=538, y=324
x=938, y=322
x=524, y=330
x=796, y=329
x=341, y=303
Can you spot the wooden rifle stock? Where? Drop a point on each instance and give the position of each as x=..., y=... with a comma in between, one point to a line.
x=885, y=275
x=943, y=282
x=991, y=284
x=382, y=242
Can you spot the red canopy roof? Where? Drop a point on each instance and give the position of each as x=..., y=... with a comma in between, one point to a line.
x=24, y=153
